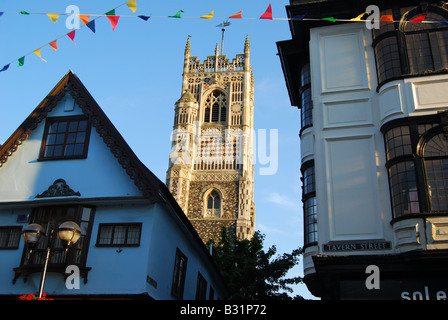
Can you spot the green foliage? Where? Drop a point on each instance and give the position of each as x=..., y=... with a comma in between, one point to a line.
x=252, y=273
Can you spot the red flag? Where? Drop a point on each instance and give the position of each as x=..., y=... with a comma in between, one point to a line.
x=419, y=18
x=71, y=35
x=267, y=14
x=236, y=15
x=112, y=18
x=54, y=45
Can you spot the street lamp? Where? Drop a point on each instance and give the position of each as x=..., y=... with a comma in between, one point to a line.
x=68, y=232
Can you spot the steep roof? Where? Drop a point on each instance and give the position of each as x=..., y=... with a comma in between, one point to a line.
x=143, y=178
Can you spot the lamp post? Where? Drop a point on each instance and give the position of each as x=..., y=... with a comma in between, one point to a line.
x=68, y=232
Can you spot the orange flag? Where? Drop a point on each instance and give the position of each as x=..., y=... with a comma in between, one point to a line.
x=54, y=45
x=84, y=18
x=387, y=18
x=236, y=15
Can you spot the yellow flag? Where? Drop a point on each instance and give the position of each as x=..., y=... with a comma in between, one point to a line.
x=358, y=18
x=37, y=52
x=132, y=5
x=208, y=16
x=53, y=16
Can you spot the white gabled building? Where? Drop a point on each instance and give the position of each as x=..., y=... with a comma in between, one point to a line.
x=67, y=161
x=374, y=145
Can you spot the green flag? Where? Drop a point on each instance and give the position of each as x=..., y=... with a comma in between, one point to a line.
x=177, y=15
x=21, y=61
x=332, y=19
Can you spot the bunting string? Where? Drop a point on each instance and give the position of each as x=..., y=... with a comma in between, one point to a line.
x=132, y=5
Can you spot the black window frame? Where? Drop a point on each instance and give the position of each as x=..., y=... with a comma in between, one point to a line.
x=66, y=134
x=114, y=226
x=201, y=287
x=407, y=169
x=179, y=274
x=393, y=43
x=309, y=204
x=10, y=231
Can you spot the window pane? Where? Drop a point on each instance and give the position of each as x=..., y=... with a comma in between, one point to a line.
x=437, y=176
x=105, y=235
x=133, y=235
x=404, y=191
x=119, y=235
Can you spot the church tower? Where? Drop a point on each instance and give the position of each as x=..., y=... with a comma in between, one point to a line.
x=210, y=171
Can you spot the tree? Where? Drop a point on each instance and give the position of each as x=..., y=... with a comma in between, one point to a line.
x=250, y=273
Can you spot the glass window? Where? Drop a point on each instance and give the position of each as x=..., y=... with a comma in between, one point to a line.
x=417, y=163
x=119, y=235
x=180, y=269
x=55, y=215
x=424, y=44
x=65, y=138
x=10, y=237
x=309, y=203
x=201, y=288
x=213, y=204
x=215, y=108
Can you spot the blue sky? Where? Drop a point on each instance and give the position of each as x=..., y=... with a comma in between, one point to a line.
x=135, y=75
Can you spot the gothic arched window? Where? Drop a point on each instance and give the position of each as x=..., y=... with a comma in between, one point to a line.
x=215, y=107
x=213, y=202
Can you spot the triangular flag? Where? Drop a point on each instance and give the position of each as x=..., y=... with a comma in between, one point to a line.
x=54, y=45
x=112, y=18
x=84, y=18
x=387, y=18
x=332, y=19
x=177, y=15
x=267, y=14
x=91, y=25
x=144, y=17
x=358, y=18
x=5, y=68
x=132, y=5
x=443, y=23
x=1, y=13
x=71, y=35
x=208, y=16
x=419, y=18
x=299, y=17
x=236, y=15
x=21, y=61
x=53, y=16
x=37, y=52
x=25, y=13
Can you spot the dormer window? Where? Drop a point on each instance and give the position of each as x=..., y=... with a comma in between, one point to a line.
x=65, y=138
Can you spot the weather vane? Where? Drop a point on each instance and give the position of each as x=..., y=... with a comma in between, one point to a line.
x=223, y=25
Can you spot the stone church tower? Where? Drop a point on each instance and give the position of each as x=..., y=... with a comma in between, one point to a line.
x=211, y=171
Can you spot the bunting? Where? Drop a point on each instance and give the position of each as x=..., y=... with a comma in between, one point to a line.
x=208, y=16
x=37, y=52
x=237, y=15
x=71, y=35
x=53, y=16
x=132, y=5
x=267, y=14
x=84, y=18
x=54, y=44
x=177, y=15
x=112, y=18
